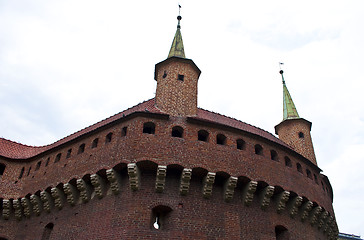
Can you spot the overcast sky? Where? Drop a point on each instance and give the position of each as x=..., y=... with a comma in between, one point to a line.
x=65, y=65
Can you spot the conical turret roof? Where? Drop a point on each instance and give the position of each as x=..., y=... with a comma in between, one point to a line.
x=289, y=109
x=177, y=49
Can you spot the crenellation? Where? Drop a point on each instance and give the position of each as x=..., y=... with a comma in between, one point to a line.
x=229, y=188
x=161, y=178
x=134, y=176
x=115, y=181
x=72, y=194
x=208, y=184
x=282, y=199
x=85, y=190
x=265, y=197
x=99, y=185
x=185, y=181
x=248, y=192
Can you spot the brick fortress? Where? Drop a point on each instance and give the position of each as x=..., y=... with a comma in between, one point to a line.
x=166, y=169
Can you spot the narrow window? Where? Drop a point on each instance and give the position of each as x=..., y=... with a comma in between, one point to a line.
x=21, y=173
x=108, y=138
x=240, y=144
x=273, y=155
x=308, y=173
x=123, y=131
x=165, y=74
x=81, y=148
x=2, y=169
x=30, y=168
x=315, y=177
x=47, y=162
x=181, y=77
x=58, y=157
x=299, y=168
x=69, y=151
x=221, y=139
x=47, y=231
x=38, y=165
x=177, y=132
x=287, y=162
x=301, y=135
x=203, y=135
x=160, y=215
x=94, y=143
x=258, y=149
x=281, y=233
x=149, y=128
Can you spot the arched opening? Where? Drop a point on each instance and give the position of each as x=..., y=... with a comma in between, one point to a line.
x=273, y=155
x=301, y=135
x=221, y=139
x=47, y=162
x=21, y=173
x=149, y=128
x=287, y=162
x=315, y=177
x=94, y=143
x=281, y=233
x=108, y=138
x=81, y=148
x=58, y=157
x=38, y=165
x=177, y=132
x=69, y=152
x=47, y=231
x=240, y=144
x=309, y=174
x=123, y=131
x=299, y=168
x=203, y=135
x=2, y=168
x=258, y=149
x=160, y=217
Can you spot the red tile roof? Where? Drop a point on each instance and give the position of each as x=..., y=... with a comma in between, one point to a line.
x=14, y=150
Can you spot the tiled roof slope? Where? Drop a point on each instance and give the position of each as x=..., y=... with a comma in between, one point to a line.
x=14, y=150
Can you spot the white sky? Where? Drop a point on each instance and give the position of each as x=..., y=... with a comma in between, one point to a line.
x=65, y=65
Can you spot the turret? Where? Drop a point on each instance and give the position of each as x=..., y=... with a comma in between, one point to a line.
x=293, y=130
x=177, y=79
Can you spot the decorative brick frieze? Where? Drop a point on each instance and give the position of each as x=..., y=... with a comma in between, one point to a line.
x=114, y=179
x=72, y=194
x=99, y=185
x=85, y=190
x=229, y=188
x=208, y=184
x=248, y=192
x=282, y=199
x=265, y=196
x=134, y=176
x=185, y=181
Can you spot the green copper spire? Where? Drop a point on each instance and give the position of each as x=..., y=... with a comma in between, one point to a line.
x=289, y=109
x=177, y=49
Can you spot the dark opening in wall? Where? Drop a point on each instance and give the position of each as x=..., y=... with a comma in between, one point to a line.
x=149, y=128
x=1, y=238
x=47, y=231
x=108, y=138
x=273, y=155
x=258, y=149
x=47, y=162
x=281, y=233
x=94, y=143
x=2, y=169
x=123, y=131
x=203, y=135
x=240, y=144
x=58, y=157
x=38, y=165
x=308, y=173
x=160, y=217
x=287, y=162
x=301, y=135
x=21, y=173
x=299, y=168
x=81, y=148
x=221, y=139
x=177, y=131
x=181, y=77
x=69, y=152
x=30, y=168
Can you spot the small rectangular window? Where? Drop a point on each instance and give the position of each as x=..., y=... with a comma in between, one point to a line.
x=181, y=77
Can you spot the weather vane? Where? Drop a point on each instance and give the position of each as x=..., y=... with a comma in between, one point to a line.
x=281, y=71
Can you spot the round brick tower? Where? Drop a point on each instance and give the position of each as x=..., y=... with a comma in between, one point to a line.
x=166, y=169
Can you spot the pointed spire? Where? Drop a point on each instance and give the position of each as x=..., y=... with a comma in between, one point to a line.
x=289, y=109
x=177, y=49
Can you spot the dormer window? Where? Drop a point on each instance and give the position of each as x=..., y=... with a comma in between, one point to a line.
x=181, y=77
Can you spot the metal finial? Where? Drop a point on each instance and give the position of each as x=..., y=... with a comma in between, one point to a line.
x=281, y=72
x=179, y=16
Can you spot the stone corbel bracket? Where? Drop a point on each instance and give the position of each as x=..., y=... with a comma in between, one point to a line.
x=315, y=214
x=115, y=180
x=306, y=208
x=7, y=206
x=134, y=176
x=282, y=200
x=185, y=181
x=208, y=184
x=37, y=204
x=17, y=209
x=160, y=179
x=323, y=218
x=293, y=205
x=47, y=201
x=229, y=188
x=85, y=190
x=27, y=207
x=265, y=196
x=248, y=192
x=72, y=194
x=99, y=185
x=59, y=197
